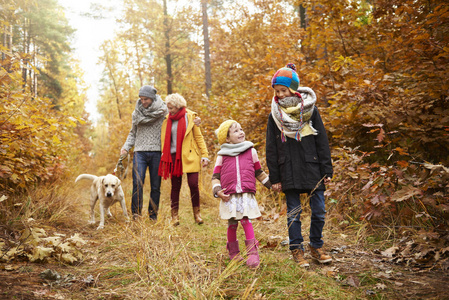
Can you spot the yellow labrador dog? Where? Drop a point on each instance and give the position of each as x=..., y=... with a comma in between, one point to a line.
x=107, y=190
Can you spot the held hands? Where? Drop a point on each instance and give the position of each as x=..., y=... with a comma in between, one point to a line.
x=204, y=162
x=223, y=196
x=277, y=187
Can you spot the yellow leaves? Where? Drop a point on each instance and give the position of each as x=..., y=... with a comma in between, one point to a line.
x=56, y=140
x=36, y=245
x=341, y=62
x=77, y=240
x=40, y=253
x=33, y=235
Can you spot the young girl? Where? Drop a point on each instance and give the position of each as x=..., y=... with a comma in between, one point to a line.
x=299, y=159
x=234, y=181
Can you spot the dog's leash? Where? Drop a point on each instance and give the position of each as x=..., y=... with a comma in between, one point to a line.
x=119, y=167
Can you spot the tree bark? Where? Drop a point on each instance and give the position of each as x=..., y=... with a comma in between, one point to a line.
x=168, y=59
x=206, y=49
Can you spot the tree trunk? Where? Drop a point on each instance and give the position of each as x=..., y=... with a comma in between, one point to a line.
x=206, y=48
x=303, y=16
x=117, y=100
x=168, y=59
x=26, y=50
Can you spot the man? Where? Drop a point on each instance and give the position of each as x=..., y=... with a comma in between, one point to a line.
x=145, y=137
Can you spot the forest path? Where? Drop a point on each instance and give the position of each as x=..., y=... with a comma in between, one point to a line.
x=363, y=272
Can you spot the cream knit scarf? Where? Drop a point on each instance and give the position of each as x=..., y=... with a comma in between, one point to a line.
x=234, y=149
x=292, y=114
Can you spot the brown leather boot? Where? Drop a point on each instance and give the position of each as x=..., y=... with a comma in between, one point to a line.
x=197, y=216
x=174, y=217
x=298, y=257
x=319, y=255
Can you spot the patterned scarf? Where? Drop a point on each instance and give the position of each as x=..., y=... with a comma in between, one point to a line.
x=166, y=166
x=142, y=115
x=292, y=114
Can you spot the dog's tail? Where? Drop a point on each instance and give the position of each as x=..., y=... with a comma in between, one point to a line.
x=86, y=176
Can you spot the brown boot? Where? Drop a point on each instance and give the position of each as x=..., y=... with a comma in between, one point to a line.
x=174, y=217
x=319, y=255
x=298, y=257
x=197, y=216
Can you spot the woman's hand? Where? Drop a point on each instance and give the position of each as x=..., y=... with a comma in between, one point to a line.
x=224, y=197
x=204, y=162
x=277, y=187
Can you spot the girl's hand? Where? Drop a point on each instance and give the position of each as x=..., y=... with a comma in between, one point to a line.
x=224, y=197
x=277, y=187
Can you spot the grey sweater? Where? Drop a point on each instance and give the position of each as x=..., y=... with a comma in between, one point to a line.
x=145, y=137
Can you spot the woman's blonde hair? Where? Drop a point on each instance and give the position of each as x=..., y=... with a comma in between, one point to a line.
x=176, y=100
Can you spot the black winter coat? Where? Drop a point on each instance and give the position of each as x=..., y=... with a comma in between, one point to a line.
x=298, y=164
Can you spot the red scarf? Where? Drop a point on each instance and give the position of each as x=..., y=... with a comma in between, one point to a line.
x=167, y=167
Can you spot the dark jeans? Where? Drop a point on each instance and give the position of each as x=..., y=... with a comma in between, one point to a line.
x=294, y=222
x=142, y=160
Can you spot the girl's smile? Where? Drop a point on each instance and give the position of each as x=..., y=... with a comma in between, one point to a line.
x=282, y=91
x=236, y=134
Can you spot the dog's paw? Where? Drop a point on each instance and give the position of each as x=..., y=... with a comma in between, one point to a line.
x=127, y=220
x=91, y=222
x=101, y=226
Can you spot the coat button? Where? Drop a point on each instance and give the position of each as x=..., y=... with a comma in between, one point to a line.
x=314, y=158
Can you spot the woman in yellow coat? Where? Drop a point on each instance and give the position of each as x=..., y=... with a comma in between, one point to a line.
x=183, y=151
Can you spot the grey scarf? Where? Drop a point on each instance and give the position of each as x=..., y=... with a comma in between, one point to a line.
x=234, y=149
x=156, y=110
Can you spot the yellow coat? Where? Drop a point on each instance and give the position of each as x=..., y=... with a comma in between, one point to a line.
x=193, y=145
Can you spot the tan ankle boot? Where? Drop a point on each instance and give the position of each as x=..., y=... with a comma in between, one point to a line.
x=319, y=255
x=197, y=216
x=174, y=217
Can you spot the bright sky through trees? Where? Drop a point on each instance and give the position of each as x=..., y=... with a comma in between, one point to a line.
x=90, y=33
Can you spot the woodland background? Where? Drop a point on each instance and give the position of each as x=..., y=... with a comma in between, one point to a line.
x=379, y=69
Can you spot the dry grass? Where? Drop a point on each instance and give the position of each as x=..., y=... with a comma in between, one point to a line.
x=148, y=260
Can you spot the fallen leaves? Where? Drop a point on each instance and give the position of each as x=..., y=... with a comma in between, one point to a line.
x=35, y=245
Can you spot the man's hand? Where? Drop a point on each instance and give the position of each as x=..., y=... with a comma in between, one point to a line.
x=223, y=196
x=277, y=187
x=327, y=180
x=123, y=151
x=197, y=121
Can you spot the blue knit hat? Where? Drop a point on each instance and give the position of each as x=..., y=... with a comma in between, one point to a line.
x=286, y=76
